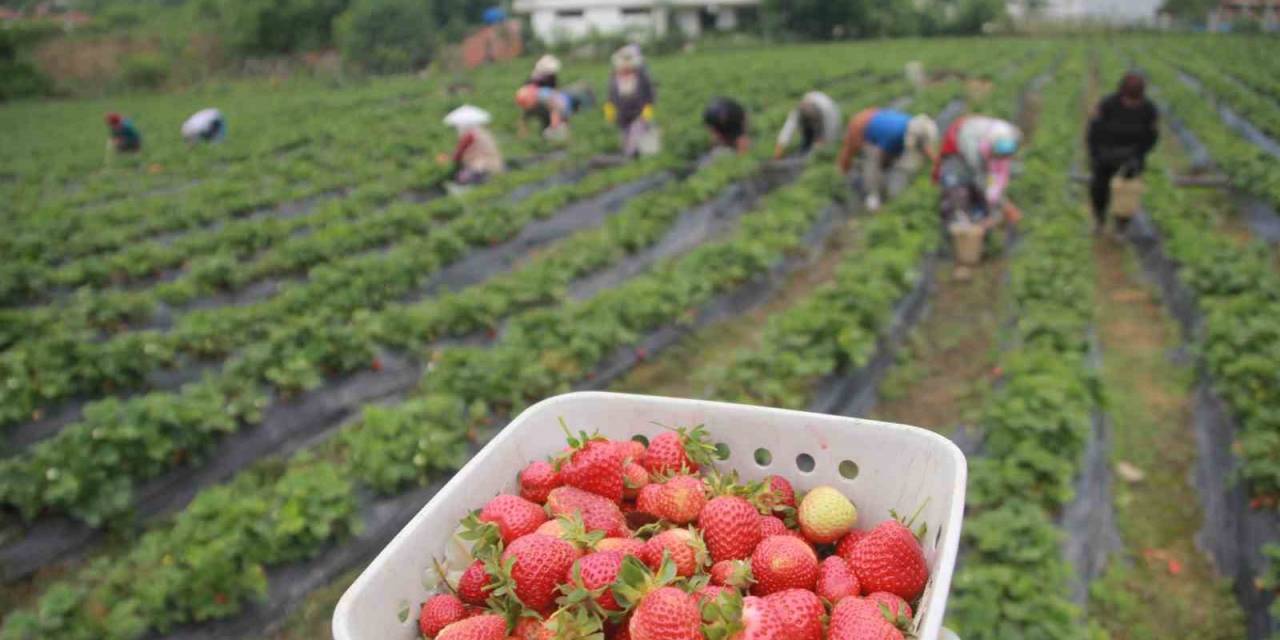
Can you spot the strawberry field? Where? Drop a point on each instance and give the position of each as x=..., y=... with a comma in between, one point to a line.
x=229, y=375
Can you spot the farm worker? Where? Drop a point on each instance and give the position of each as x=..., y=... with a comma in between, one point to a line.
x=1122, y=131
x=727, y=122
x=124, y=137
x=883, y=138
x=545, y=72
x=817, y=117
x=551, y=107
x=205, y=125
x=631, y=98
x=978, y=151
x=476, y=157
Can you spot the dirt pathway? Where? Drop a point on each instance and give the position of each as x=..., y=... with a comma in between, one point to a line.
x=1164, y=587
x=943, y=372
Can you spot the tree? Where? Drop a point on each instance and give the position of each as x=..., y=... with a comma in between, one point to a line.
x=273, y=26
x=1193, y=10
x=821, y=19
x=387, y=35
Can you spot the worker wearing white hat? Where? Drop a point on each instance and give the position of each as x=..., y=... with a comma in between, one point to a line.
x=205, y=125
x=477, y=156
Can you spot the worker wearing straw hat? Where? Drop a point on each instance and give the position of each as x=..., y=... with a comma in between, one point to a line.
x=477, y=156
x=631, y=99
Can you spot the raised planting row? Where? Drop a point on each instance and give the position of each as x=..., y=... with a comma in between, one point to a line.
x=1261, y=111
x=1250, y=169
x=1013, y=581
x=540, y=353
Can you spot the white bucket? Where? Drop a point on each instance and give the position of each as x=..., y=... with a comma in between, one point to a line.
x=897, y=467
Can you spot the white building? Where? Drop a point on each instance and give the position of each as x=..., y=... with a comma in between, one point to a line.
x=561, y=20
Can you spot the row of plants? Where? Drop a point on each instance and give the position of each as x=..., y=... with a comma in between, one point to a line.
x=542, y=352
x=1249, y=168
x=1263, y=112
x=146, y=438
x=1013, y=581
x=1237, y=58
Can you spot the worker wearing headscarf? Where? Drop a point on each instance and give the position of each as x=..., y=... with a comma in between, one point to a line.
x=885, y=138
x=978, y=151
x=1123, y=129
x=631, y=98
x=817, y=118
x=476, y=157
x=124, y=137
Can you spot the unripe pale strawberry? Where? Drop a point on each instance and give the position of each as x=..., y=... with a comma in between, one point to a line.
x=825, y=515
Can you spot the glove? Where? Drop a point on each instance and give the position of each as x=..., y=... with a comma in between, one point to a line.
x=610, y=113
x=647, y=114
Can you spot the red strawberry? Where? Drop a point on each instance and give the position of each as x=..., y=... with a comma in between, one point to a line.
x=844, y=548
x=666, y=613
x=438, y=612
x=515, y=516
x=684, y=548
x=596, y=466
x=634, y=478
x=835, y=580
x=595, y=571
x=781, y=493
x=647, y=499
x=532, y=629
x=632, y=451
x=597, y=513
x=473, y=585
x=783, y=562
x=537, y=480
x=626, y=546
x=679, y=451
x=540, y=565
x=861, y=619
x=730, y=525
x=896, y=605
x=889, y=558
x=485, y=627
x=773, y=526
x=681, y=499
x=801, y=612
x=733, y=617
x=731, y=573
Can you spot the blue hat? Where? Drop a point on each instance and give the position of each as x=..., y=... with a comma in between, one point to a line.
x=1005, y=146
x=494, y=15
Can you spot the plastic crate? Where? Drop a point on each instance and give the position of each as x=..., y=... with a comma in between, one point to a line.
x=893, y=467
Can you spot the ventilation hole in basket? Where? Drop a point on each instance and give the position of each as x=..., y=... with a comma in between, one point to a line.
x=805, y=463
x=639, y=437
x=848, y=469
x=402, y=612
x=722, y=451
x=937, y=538
x=764, y=457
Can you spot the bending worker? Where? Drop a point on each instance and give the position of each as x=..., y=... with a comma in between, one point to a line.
x=476, y=157
x=206, y=125
x=124, y=137
x=817, y=117
x=552, y=108
x=885, y=137
x=631, y=99
x=977, y=152
x=726, y=120
x=1122, y=131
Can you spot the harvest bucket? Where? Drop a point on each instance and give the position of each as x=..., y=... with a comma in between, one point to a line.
x=1126, y=196
x=966, y=238
x=880, y=466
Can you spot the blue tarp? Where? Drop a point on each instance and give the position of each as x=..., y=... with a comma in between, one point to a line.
x=494, y=15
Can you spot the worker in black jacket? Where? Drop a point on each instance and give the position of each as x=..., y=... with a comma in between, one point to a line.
x=1122, y=131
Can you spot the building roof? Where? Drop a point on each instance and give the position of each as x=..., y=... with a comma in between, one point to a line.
x=526, y=6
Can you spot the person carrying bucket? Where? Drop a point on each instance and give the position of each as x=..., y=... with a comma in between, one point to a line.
x=205, y=125
x=973, y=173
x=726, y=120
x=476, y=158
x=817, y=118
x=631, y=100
x=123, y=136
x=885, y=138
x=1123, y=129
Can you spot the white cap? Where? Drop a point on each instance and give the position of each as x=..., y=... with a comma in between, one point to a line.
x=467, y=116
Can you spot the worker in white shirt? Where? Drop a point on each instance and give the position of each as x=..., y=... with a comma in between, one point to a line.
x=205, y=125
x=817, y=118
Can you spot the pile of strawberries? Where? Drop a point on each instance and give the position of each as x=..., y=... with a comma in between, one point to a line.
x=613, y=540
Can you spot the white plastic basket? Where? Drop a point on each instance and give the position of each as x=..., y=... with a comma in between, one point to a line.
x=896, y=466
